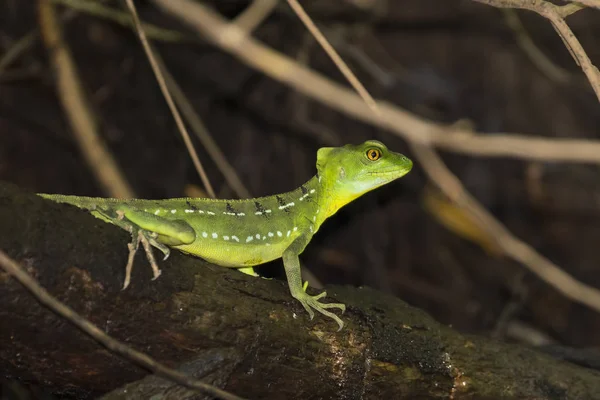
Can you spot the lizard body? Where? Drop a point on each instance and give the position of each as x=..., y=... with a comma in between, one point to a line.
x=249, y=232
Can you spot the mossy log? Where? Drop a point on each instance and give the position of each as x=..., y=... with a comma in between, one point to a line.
x=244, y=334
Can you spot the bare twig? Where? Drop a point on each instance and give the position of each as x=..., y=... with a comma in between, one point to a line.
x=392, y=118
x=512, y=246
x=17, y=49
x=115, y=346
x=28, y=39
x=255, y=14
x=588, y=3
x=300, y=103
x=526, y=333
x=76, y=107
x=342, y=66
x=556, y=14
x=569, y=9
x=537, y=57
x=95, y=8
x=202, y=133
x=165, y=91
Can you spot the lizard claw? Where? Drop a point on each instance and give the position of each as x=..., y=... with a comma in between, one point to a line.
x=155, y=243
x=312, y=302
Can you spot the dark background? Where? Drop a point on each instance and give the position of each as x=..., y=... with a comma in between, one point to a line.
x=443, y=60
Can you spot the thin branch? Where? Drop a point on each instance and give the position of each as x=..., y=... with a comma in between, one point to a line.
x=533, y=52
x=556, y=14
x=95, y=8
x=577, y=50
x=76, y=107
x=512, y=246
x=26, y=41
x=17, y=49
x=342, y=66
x=115, y=346
x=588, y=3
x=569, y=9
x=255, y=14
x=165, y=91
x=202, y=133
x=396, y=120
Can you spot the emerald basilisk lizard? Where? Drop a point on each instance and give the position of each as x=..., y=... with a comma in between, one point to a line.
x=249, y=232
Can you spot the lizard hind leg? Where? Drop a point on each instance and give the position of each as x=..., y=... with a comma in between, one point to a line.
x=141, y=236
x=149, y=230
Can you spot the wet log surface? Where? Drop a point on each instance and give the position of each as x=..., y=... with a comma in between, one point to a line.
x=244, y=334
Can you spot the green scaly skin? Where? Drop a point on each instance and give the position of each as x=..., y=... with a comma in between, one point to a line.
x=249, y=232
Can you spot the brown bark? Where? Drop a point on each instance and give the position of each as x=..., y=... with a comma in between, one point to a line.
x=246, y=335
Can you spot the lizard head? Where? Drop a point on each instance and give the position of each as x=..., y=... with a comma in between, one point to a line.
x=350, y=171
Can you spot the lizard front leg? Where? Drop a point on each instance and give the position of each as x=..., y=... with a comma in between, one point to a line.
x=148, y=229
x=291, y=263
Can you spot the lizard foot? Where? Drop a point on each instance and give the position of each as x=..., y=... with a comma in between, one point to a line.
x=312, y=302
x=148, y=239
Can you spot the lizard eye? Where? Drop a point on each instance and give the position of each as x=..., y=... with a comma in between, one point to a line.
x=373, y=154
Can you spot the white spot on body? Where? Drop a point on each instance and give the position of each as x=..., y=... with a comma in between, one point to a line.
x=313, y=190
x=311, y=228
x=235, y=238
x=283, y=207
x=228, y=213
x=225, y=237
x=240, y=214
x=200, y=212
x=189, y=211
x=173, y=211
x=214, y=235
x=314, y=217
x=264, y=237
x=271, y=234
x=267, y=211
x=204, y=234
x=279, y=234
x=268, y=244
x=295, y=228
x=210, y=213
x=156, y=212
x=249, y=239
x=288, y=233
x=258, y=213
x=258, y=235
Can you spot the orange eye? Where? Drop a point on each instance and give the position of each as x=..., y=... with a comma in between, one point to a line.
x=373, y=154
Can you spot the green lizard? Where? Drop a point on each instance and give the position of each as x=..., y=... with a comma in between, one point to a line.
x=249, y=232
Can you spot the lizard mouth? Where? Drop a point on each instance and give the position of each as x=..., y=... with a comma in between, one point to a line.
x=396, y=172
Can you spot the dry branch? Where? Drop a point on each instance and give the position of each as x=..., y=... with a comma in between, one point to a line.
x=77, y=109
x=556, y=15
x=167, y=96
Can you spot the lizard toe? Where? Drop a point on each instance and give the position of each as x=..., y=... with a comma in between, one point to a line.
x=311, y=303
